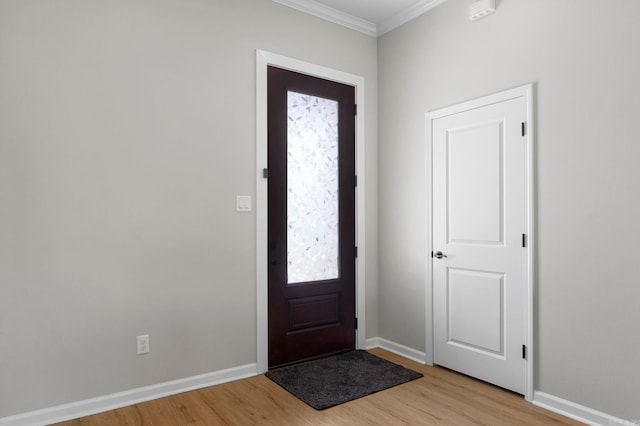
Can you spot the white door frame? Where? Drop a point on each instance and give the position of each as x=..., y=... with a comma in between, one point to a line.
x=525, y=91
x=263, y=60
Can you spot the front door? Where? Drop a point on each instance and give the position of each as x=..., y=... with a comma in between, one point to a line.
x=311, y=217
x=480, y=257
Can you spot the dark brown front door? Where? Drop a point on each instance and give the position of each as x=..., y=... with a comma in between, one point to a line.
x=311, y=156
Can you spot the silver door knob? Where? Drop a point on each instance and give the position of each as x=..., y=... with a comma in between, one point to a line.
x=439, y=255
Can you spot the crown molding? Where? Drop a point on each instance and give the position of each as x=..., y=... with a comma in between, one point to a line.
x=333, y=15
x=406, y=15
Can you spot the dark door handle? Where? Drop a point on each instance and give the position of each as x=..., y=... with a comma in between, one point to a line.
x=439, y=255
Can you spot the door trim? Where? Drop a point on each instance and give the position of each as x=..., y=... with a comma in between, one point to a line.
x=526, y=92
x=263, y=60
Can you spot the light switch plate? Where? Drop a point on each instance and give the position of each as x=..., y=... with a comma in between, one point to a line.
x=142, y=344
x=243, y=203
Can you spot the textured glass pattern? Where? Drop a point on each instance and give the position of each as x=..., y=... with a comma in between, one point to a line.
x=312, y=188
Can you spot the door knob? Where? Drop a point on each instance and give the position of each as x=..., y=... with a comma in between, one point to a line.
x=438, y=255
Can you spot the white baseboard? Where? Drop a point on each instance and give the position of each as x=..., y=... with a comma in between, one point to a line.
x=579, y=412
x=397, y=348
x=91, y=406
x=553, y=403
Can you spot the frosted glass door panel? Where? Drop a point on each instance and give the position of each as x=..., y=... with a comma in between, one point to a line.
x=312, y=188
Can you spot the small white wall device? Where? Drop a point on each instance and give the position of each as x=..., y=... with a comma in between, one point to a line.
x=481, y=8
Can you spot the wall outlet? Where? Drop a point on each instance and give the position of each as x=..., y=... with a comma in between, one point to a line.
x=143, y=344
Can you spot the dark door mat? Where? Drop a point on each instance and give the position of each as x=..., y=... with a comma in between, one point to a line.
x=331, y=381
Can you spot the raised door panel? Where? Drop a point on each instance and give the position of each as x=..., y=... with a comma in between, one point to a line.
x=475, y=310
x=475, y=206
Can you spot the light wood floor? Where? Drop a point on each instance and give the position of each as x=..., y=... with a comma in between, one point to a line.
x=441, y=397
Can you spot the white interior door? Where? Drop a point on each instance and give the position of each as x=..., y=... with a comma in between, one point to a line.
x=480, y=259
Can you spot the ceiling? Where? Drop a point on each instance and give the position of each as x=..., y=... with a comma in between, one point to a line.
x=374, y=11
x=372, y=17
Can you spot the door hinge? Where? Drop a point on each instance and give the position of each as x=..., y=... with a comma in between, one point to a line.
x=524, y=128
x=524, y=240
x=355, y=181
x=355, y=323
x=355, y=109
x=265, y=173
x=355, y=252
x=524, y=351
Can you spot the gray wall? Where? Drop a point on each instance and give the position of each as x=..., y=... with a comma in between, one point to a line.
x=127, y=128
x=583, y=58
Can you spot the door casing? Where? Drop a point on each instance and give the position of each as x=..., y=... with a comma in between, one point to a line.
x=526, y=92
x=263, y=60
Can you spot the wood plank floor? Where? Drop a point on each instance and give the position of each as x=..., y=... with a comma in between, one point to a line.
x=441, y=397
